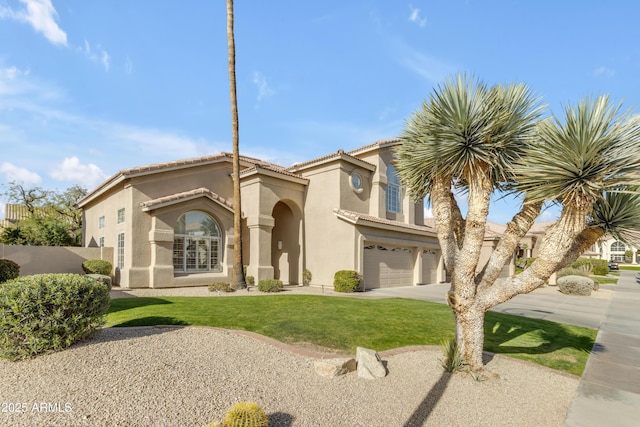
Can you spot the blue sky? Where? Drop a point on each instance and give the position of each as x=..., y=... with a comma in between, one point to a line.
x=91, y=87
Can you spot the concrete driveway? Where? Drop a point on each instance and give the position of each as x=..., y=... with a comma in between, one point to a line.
x=546, y=303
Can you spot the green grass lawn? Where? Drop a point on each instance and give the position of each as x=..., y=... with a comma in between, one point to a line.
x=630, y=267
x=605, y=280
x=345, y=323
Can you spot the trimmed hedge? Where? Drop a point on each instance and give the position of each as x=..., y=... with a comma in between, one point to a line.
x=102, y=278
x=8, y=270
x=599, y=267
x=97, y=266
x=575, y=285
x=49, y=312
x=270, y=285
x=571, y=271
x=346, y=281
x=220, y=287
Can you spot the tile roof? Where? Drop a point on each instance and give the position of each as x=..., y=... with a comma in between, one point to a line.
x=192, y=194
x=333, y=156
x=376, y=145
x=357, y=216
x=272, y=168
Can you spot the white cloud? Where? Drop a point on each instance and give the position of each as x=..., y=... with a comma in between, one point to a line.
x=41, y=15
x=416, y=18
x=97, y=55
x=428, y=212
x=72, y=170
x=18, y=174
x=105, y=59
x=604, y=71
x=153, y=141
x=264, y=90
x=128, y=66
x=427, y=66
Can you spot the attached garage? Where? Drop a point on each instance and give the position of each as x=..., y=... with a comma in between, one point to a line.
x=430, y=260
x=387, y=266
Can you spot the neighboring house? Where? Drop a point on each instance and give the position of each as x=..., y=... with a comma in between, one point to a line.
x=171, y=224
x=613, y=250
x=14, y=213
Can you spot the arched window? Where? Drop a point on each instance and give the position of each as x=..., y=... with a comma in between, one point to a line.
x=394, y=199
x=197, y=244
x=617, y=247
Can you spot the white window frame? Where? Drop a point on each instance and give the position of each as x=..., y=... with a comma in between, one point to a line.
x=101, y=241
x=120, y=251
x=120, y=216
x=197, y=253
x=101, y=222
x=394, y=191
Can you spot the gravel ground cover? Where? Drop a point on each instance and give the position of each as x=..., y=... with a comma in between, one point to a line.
x=161, y=376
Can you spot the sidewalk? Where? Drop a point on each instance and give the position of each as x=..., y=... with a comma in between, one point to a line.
x=609, y=391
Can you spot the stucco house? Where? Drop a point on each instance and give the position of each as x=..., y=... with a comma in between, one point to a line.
x=171, y=224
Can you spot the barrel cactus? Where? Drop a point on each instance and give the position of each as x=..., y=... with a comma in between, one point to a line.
x=246, y=414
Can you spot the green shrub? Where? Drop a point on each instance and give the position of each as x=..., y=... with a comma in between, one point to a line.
x=249, y=280
x=346, y=281
x=306, y=277
x=246, y=414
x=522, y=264
x=570, y=271
x=49, y=312
x=97, y=266
x=102, y=279
x=599, y=267
x=8, y=270
x=220, y=287
x=453, y=360
x=270, y=285
x=575, y=285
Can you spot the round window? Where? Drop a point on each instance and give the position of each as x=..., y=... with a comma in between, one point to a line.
x=356, y=182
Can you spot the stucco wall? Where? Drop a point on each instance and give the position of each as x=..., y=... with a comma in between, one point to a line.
x=52, y=259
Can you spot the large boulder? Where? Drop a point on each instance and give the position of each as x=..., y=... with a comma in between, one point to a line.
x=369, y=364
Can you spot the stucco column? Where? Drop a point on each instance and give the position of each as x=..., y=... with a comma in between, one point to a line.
x=161, y=265
x=260, y=228
x=634, y=254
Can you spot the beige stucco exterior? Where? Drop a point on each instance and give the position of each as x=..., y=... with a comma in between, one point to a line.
x=307, y=216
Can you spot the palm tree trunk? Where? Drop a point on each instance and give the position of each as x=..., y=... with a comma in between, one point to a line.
x=238, y=280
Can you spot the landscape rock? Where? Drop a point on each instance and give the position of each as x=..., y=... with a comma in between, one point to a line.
x=331, y=368
x=369, y=364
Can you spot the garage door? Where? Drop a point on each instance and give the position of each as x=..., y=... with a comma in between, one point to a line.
x=387, y=266
x=430, y=260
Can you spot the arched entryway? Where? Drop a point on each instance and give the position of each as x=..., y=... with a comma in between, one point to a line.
x=285, y=244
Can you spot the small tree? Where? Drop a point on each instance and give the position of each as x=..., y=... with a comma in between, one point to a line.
x=53, y=219
x=480, y=140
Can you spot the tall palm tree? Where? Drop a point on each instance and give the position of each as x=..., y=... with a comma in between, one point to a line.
x=480, y=140
x=238, y=279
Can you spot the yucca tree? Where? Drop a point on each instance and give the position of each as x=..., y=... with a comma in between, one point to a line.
x=469, y=138
x=238, y=280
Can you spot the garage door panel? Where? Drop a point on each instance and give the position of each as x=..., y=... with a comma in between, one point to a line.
x=387, y=266
x=430, y=261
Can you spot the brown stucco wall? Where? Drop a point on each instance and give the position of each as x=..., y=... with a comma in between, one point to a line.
x=52, y=259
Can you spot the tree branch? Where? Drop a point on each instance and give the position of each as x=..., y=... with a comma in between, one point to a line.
x=516, y=229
